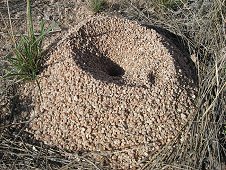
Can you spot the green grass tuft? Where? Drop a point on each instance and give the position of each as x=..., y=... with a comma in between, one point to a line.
x=97, y=5
x=25, y=60
x=172, y=4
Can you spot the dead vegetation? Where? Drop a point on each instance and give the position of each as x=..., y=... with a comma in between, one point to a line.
x=200, y=26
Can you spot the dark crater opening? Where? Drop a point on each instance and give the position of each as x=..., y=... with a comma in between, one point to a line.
x=100, y=66
x=151, y=78
x=115, y=71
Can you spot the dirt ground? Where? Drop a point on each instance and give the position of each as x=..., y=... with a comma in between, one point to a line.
x=63, y=15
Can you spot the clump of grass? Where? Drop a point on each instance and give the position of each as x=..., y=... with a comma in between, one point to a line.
x=25, y=60
x=171, y=4
x=97, y=5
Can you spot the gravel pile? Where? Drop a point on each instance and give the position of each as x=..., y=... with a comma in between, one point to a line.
x=112, y=85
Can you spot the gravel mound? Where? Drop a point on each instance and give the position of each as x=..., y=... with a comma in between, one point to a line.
x=112, y=85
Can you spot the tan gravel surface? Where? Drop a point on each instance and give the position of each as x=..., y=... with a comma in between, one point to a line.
x=112, y=85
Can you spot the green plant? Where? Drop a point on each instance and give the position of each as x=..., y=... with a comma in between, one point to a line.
x=97, y=5
x=172, y=4
x=224, y=129
x=25, y=60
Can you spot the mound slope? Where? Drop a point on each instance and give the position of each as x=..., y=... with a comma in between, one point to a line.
x=112, y=85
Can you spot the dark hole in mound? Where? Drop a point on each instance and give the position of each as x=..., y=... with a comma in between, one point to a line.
x=99, y=65
x=115, y=71
x=151, y=78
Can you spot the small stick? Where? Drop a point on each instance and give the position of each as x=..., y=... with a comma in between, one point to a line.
x=10, y=23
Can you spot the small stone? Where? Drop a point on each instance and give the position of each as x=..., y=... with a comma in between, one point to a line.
x=183, y=116
x=193, y=96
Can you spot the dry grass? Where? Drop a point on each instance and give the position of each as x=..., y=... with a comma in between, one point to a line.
x=201, y=27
